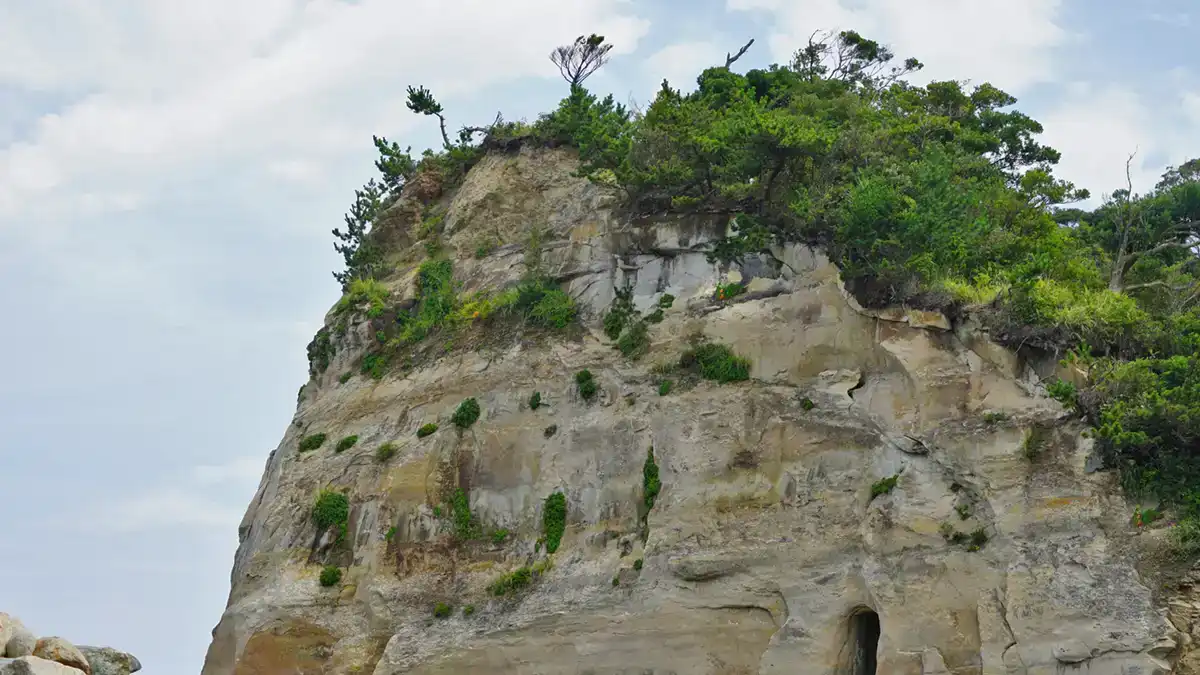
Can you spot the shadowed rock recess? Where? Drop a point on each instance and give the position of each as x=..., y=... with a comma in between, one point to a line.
x=868, y=501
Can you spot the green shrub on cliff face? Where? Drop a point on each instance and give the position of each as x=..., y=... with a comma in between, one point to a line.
x=716, y=362
x=466, y=414
x=331, y=509
x=651, y=485
x=554, y=520
x=586, y=384
x=330, y=575
x=310, y=443
x=427, y=429
x=345, y=444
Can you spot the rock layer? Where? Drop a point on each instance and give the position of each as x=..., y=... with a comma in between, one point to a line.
x=998, y=548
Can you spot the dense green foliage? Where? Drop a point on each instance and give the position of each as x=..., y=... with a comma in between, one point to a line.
x=427, y=429
x=511, y=582
x=651, y=485
x=385, y=452
x=554, y=520
x=330, y=575
x=312, y=442
x=664, y=387
x=466, y=414
x=465, y=525
x=332, y=509
x=715, y=362
x=586, y=384
x=345, y=444
x=884, y=486
x=442, y=611
x=535, y=400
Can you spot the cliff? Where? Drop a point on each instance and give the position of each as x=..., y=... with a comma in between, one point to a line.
x=885, y=485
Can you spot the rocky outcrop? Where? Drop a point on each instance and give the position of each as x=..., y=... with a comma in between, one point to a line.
x=886, y=488
x=22, y=652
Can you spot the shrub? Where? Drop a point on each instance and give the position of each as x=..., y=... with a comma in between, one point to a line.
x=884, y=486
x=385, y=452
x=535, y=401
x=554, y=520
x=466, y=414
x=619, y=313
x=977, y=539
x=374, y=365
x=964, y=511
x=807, y=404
x=664, y=387
x=465, y=527
x=1064, y=392
x=666, y=301
x=550, y=430
x=651, y=485
x=427, y=429
x=310, y=443
x=511, y=582
x=634, y=342
x=441, y=610
x=331, y=509
x=345, y=444
x=391, y=533
x=555, y=310
x=637, y=564
x=345, y=377
x=363, y=291
x=330, y=575
x=729, y=290
x=586, y=384
x=716, y=362
x=468, y=610
x=655, y=317
x=498, y=536
x=616, y=580
x=994, y=417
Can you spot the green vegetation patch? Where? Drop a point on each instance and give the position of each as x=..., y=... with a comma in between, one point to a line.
x=586, y=384
x=385, y=452
x=345, y=444
x=466, y=414
x=330, y=575
x=511, y=582
x=427, y=429
x=465, y=525
x=715, y=362
x=651, y=485
x=331, y=509
x=312, y=442
x=884, y=486
x=442, y=611
x=554, y=520
x=535, y=400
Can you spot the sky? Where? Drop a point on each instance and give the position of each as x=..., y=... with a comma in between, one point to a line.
x=170, y=173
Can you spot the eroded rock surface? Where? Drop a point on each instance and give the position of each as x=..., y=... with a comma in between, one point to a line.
x=996, y=551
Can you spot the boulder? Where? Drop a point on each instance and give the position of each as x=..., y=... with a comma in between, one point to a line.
x=15, y=639
x=109, y=661
x=32, y=665
x=61, y=651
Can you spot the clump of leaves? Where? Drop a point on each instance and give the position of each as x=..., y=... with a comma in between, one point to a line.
x=884, y=486
x=664, y=387
x=465, y=527
x=637, y=564
x=666, y=301
x=586, y=384
x=963, y=510
x=1064, y=392
x=511, y=582
x=807, y=404
x=616, y=580
x=391, y=533
x=619, y=313
x=729, y=290
x=468, y=610
x=651, y=485
x=634, y=342
x=427, y=429
x=655, y=317
x=1143, y=517
x=310, y=443
x=385, y=452
x=331, y=509
x=345, y=444
x=442, y=611
x=535, y=401
x=499, y=536
x=994, y=417
x=466, y=414
x=715, y=362
x=374, y=365
x=330, y=575
x=554, y=520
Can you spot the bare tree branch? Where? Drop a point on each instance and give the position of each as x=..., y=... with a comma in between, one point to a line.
x=730, y=59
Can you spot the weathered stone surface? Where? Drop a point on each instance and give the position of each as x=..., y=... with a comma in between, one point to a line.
x=59, y=650
x=766, y=538
x=32, y=665
x=15, y=639
x=109, y=661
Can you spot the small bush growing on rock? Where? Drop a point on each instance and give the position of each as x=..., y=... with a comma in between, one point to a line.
x=637, y=564
x=977, y=539
x=330, y=575
x=374, y=365
x=550, y=430
x=427, y=430
x=634, y=342
x=310, y=443
x=651, y=485
x=554, y=520
x=555, y=310
x=391, y=533
x=498, y=536
x=619, y=313
x=884, y=486
x=1064, y=392
x=666, y=301
x=442, y=610
x=511, y=582
x=963, y=510
x=385, y=452
x=664, y=387
x=616, y=581
x=535, y=401
x=345, y=444
x=586, y=384
x=345, y=377
x=468, y=610
x=466, y=414
x=994, y=417
x=716, y=362
x=655, y=317
x=729, y=290
x=465, y=527
x=807, y=404
x=332, y=508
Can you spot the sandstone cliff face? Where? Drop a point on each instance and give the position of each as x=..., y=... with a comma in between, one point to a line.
x=766, y=548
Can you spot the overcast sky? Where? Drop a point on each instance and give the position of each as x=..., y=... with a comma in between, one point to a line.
x=170, y=173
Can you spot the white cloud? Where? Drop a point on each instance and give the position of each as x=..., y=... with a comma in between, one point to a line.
x=162, y=87
x=681, y=63
x=1013, y=52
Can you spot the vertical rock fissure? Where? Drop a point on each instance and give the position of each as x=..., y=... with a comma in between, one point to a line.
x=864, y=642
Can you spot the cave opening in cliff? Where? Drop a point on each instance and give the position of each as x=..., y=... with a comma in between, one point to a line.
x=864, y=642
